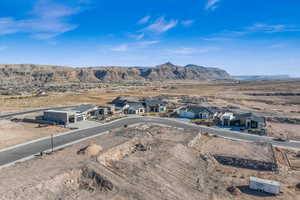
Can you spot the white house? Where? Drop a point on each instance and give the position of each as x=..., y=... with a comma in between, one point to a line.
x=226, y=118
x=195, y=112
x=134, y=108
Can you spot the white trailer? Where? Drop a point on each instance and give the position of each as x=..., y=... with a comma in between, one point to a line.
x=272, y=187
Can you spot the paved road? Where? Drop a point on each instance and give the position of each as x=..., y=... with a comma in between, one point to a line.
x=31, y=111
x=23, y=151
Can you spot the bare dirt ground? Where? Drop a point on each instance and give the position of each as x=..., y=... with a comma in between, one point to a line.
x=145, y=162
x=291, y=130
x=12, y=133
x=218, y=145
x=94, y=96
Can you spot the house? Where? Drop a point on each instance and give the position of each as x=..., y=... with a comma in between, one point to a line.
x=121, y=101
x=155, y=106
x=196, y=112
x=106, y=110
x=249, y=121
x=134, y=108
x=272, y=187
x=110, y=108
x=85, y=111
x=73, y=115
x=226, y=118
x=62, y=117
x=103, y=110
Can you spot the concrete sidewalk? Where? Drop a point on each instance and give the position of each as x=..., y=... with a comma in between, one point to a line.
x=84, y=124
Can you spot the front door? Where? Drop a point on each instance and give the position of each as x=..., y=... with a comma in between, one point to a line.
x=248, y=124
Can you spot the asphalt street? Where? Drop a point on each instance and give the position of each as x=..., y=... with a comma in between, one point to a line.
x=23, y=151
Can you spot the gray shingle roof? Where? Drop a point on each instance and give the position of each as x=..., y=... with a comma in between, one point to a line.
x=83, y=108
x=154, y=103
x=198, y=109
x=135, y=106
x=251, y=116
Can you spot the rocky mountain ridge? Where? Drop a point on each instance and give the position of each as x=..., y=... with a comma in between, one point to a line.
x=30, y=74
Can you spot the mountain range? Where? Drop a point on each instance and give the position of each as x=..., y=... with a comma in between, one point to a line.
x=30, y=74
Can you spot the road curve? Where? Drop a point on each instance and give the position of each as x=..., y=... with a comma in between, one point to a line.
x=20, y=152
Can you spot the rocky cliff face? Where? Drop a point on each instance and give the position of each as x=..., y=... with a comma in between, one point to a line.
x=28, y=74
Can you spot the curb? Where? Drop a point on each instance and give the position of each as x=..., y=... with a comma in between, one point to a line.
x=50, y=150
x=146, y=120
x=62, y=134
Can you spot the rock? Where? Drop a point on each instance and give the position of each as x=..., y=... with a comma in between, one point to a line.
x=298, y=186
x=234, y=190
x=140, y=147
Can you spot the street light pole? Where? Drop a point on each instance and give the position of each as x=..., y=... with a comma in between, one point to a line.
x=52, y=142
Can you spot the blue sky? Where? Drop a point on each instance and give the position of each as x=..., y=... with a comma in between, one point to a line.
x=240, y=36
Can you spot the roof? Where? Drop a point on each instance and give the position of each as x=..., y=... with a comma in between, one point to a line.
x=251, y=116
x=60, y=111
x=135, y=106
x=154, y=103
x=123, y=100
x=228, y=115
x=198, y=109
x=264, y=181
x=83, y=108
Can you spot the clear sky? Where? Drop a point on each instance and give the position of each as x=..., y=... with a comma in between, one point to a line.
x=240, y=36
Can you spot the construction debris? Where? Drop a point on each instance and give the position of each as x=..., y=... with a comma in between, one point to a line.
x=93, y=181
x=246, y=163
x=91, y=150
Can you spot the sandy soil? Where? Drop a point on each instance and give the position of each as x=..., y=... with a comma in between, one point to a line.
x=95, y=96
x=169, y=165
x=219, y=146
x=12, y=133
x=291, y=131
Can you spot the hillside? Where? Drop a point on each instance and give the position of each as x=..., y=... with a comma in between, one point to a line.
x=30, y=74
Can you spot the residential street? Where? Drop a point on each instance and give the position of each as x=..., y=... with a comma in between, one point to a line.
x=23, y=151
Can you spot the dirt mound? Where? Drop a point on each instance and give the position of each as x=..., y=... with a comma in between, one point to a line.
x=91, y=150
x=118, y=152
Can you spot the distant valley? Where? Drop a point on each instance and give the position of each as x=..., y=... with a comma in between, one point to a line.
x=263, y=77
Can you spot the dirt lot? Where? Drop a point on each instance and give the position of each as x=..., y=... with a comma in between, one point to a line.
x=290, y=130
x=12, y=133
x=218, y=145
x=144, y=162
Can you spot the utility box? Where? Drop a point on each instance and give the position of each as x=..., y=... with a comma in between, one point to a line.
x=272, y=187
